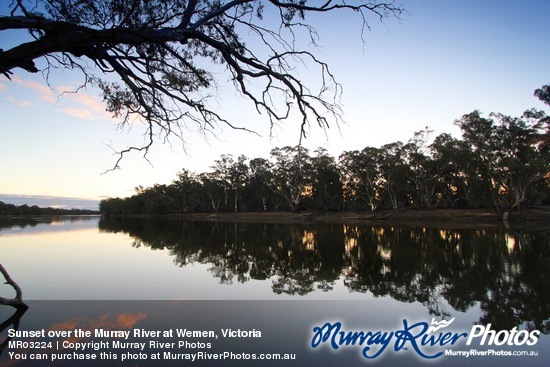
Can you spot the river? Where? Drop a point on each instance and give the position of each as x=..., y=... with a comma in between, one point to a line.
x=487, y=274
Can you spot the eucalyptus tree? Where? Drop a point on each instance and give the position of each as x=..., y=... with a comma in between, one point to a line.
x=260, y=181
x=233, y=176
x=239, y=177
x=212, y=192
x=521, y=161
x=453, y=157
x=187, y=189
x=291, y=175
x=326, y=184
x=478, y=133
x=159, y=61
x=361, y=176
x=221, y=173
x=159, y=199
x=394, y=174
x=423, y=170
x=508, y=157
x=543, y=93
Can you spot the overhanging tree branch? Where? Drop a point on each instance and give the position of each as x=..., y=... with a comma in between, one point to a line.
x=167, y=55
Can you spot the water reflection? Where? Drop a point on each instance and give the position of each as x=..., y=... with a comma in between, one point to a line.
x=16, y=303
x=10, y=225
x=505, y=270
x=9, y=322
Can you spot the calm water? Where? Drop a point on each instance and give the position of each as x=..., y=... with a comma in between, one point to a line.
x=502, y=274
x=484, y=275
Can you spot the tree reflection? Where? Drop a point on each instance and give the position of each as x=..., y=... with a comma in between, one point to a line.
x=504, y=270
x=12, y=322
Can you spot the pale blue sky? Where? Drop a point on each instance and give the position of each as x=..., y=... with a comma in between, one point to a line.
x=442, y=60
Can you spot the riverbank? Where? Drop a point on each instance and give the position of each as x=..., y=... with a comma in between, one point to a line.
x=538, y=215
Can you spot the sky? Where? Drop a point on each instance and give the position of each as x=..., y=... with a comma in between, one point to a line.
x=441, y=60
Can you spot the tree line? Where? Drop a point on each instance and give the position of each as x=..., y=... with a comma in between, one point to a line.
x=12, y=209
x=500, y=162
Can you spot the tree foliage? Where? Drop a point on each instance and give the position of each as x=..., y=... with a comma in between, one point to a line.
x=159, y=61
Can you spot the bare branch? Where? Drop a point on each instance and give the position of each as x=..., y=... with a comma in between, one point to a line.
x=155, y=48
x=17, y=301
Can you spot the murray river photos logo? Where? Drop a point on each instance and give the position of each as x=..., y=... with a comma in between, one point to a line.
x=426, y=340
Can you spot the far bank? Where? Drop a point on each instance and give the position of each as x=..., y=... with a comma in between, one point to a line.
x=462, y=217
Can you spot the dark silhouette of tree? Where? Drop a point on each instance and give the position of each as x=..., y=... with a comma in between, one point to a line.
x=292, y=175
x=505, y=160
x=187, y=189
x=501, y=163
x=423, y=180
x=167, y=55
x=453, y=159
x=360, y=172
x=11, y=209
x=258, y=191
x=16, y=301
x=543, y=93
x=326, y=183
x=394, y=173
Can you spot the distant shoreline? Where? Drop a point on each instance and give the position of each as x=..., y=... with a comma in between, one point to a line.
x=55, y=202
x=35, y=210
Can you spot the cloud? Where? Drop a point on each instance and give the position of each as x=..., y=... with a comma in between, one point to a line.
x=3, y=86
x=86, y=106
x=20, y=103
x=83, y=105
x=44, y=91
x=78, y=113
x=73, y=102
x=82, y=98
